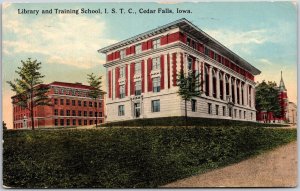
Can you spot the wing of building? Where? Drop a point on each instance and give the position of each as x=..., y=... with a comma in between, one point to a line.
x=71, y=106
x=142, y=74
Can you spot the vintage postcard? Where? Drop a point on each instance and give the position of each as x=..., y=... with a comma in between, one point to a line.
x=149, y=95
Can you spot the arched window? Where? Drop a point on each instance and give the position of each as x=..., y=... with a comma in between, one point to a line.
x=214, y=73
x=206, y=80
x=221, y=85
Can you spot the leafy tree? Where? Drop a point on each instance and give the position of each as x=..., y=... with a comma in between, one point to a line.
x=189, y=87
x=4, y=127
x=29, y=88
x=266, y=98
x=96, y=91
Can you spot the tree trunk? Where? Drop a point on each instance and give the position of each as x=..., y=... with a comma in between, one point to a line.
x=185, y=104
x=31, y=111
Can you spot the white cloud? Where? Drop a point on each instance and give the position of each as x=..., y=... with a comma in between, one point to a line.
x=265, y=61
x=63, y=39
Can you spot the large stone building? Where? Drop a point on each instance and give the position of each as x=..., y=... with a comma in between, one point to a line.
x=71, y=106
x=142, y=71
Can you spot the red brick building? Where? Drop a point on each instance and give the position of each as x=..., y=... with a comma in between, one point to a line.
x=71, y=107
x=263, y=116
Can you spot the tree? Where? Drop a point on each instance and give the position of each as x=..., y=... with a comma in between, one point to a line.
x=4, y=127
x=29, y=88
x=266, y=99
x=189, y=87
x=96, y=91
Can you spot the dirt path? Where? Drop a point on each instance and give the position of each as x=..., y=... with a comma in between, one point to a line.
x=277, y=168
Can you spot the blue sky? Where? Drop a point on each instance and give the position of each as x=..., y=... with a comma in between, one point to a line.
x=263, y=33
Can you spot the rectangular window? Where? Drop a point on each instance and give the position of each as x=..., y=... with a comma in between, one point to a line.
x=68, y=112
x=95, y=104
x=194, y=105
x=121, y=110
x=138, y=88
x=68, y=122
x=234, y=113
x=138, y=48
x=122, y=54
x=91, y=122
x=62, y=122
x=100, y=114
x=156, y=84
x=209, y=108
x=100, y=104
x=79, y=103
x=73, y=103
x=56, y=90
x=56, y=112
x=85, y=113
x=137, y=68
x=240, y=114
x=244, y=114
x=122, y=92
x=224, y=110
x=217, y=109
x=67, y=102
x=73, y=113
x=62, y=112
x=156, y=43
x=56, y=122
x=188, y=41
x=91, y=114
x=190, y=63
x=84, y=103
x=156, y=106
x=79, y=122
x=122, y=72
x=96, y=113
x=216, y=56
x=91, y=104
x=156, y=63
x=55, y=101
x=74, y=122
x=85, y=122
x=206, y=51
x=79, y=113
x=61, y=101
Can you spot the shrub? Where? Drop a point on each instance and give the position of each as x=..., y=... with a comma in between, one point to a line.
x=127, y=157
x=192, y=121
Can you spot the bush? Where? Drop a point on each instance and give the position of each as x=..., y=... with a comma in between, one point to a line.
x=192, y=121
x=127, y=157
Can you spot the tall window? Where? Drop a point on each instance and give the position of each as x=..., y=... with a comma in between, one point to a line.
x=56, y=90
x=194, y=105
x=137, y=68
x=73, y=113
x=79, y=103
x=206, y=51
x=138, y=48
x=73, y=102
x=62, y=122
x=190, y=63
x=67, y=102
x=156, y=106
x=68, y=112
x=62, y=112
x=224, y=110
x=74, y=122
x=61, y=101
x=121, y=110
x=156, y=43
x=56, y=112
x=55, y=101
x=206, y=81
x=122, y=72
x=209, y=108
x=156, y=63
x=122, y=54
x=217, y=109
x=122, y=91
x=221, y=83
x=138, y=88
x=156, y=84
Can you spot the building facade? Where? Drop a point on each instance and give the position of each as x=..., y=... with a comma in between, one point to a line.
x=142, y=72
x=266, y=117
x=71, y=106
x=292, y=113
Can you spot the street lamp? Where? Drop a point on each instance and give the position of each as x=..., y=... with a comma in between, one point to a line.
x=230, y=105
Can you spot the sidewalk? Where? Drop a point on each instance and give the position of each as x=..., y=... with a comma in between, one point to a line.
x=277, y=168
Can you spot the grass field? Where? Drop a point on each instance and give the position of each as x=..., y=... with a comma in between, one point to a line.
x=127, y=157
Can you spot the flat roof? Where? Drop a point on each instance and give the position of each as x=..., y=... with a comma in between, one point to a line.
x=190, y=28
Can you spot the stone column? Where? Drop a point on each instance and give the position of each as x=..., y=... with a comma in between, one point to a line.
x=218, y=84
x=166, y=71
x=235, y=91
x=210, y=81
x=224, y=86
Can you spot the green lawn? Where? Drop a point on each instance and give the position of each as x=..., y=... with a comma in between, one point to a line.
x=127, y=157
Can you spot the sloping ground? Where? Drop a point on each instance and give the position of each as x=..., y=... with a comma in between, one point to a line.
x=276, y=168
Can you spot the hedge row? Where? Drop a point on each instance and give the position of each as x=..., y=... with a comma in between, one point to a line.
x=127, y=157
x=192, y=121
